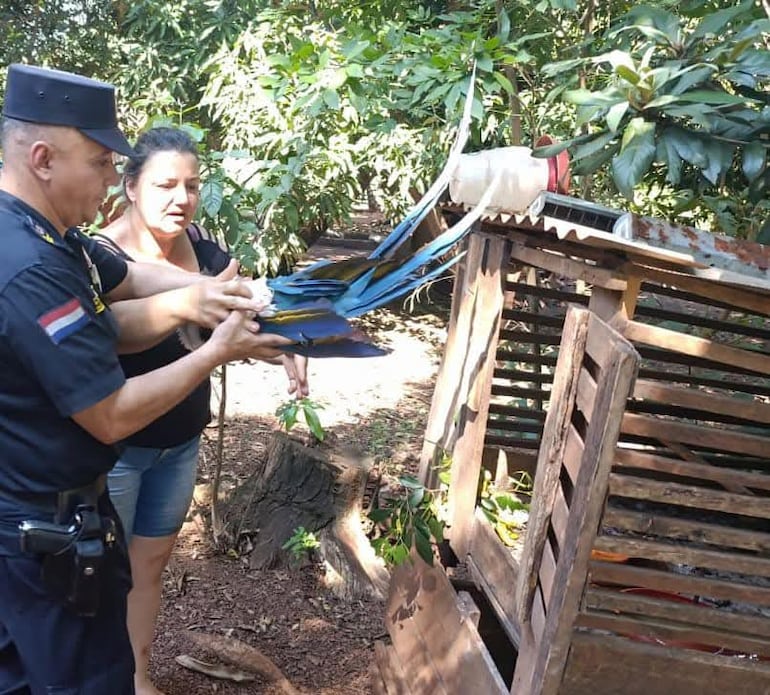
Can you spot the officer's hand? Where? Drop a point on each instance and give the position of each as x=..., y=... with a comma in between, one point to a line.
x=238, y=337
x=210, y=301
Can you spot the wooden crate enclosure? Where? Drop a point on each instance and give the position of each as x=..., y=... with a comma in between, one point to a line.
x=684, y=498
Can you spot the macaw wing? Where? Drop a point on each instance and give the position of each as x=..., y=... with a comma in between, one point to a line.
x=343, y=347
x=307, y=324
x=376, y=288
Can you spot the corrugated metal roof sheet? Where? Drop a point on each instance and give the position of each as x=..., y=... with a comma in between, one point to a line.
x=713, y=257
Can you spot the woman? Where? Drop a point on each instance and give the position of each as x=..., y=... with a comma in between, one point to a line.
x=152, y=484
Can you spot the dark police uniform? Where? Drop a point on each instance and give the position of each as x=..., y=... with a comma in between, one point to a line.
x=57, y=358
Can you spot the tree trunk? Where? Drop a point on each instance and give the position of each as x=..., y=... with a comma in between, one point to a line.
x=301, y=486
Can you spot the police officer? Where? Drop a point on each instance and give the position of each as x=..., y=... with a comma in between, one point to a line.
x=64, y=401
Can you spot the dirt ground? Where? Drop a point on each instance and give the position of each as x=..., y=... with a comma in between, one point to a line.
x=322, y=644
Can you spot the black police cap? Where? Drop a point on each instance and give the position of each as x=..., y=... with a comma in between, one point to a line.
x=54, y=97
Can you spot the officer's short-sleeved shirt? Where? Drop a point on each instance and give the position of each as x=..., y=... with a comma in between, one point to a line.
x=57, y=352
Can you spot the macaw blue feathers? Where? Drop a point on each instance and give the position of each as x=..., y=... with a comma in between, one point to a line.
x=319, y=332
x=313, y=304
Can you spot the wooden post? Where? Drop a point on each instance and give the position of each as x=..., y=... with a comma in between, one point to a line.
x=477, y=368
x=439, y=430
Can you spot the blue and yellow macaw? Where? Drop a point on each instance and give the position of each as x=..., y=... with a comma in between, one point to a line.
x=312, y=305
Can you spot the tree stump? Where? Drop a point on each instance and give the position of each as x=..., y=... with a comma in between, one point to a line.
x=295, y=486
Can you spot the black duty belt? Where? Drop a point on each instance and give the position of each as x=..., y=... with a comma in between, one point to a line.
x=55, y=507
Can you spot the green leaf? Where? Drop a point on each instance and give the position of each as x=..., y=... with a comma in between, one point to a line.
x=636, y=154
x=424, y=548
x=708, y=96
x=627, y=74
x=311, y=418
x=597, y=143
x=504, y=23
x=211, y=195
x=713, y=24
x=719, y=157
x=754, y=156
x=410, y=482
x=379, y=515
x=417, y=497
x=331, y=99
x=504, y=82
x=615, y=115
x=667, y=153
x=692, y=75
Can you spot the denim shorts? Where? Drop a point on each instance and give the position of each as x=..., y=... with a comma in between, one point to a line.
x=152, y=488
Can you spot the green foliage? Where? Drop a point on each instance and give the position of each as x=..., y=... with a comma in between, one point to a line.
x=678, y=102
x=503, y=508
x=302, y=108
x=288, y=415
x=301, y=544
x=408, y=520
x=76, y=35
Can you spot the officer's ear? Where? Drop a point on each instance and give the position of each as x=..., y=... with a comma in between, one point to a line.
x=40, y=156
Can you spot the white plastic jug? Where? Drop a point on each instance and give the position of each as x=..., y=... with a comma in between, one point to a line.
x=523, y=178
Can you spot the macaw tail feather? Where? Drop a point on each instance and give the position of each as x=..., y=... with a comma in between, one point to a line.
x=419, y=211
x=342, y=347
x=379, y=287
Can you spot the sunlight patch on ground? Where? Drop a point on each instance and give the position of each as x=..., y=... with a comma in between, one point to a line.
x=349, y=389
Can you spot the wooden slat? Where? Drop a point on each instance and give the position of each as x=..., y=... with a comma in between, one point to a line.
x=656, y=524
x=423, y=604
x=631, y=458
x=500, y=425
x=537, y=620
x=519, y=392
x=709, y=290
x=648, y=628
x=611, y=665
x=476, y=382
x=692, y=345
x=704, y=437
x=390, y=671
x=565, y=297
x=565, y=266
x=689, y=496
x=511, y=443
x=694, y=319
x=496, y=571
x=672, y=610
x=573, y=453
x=586, y=393
x=508, y=411
x=521, y=337
x=718, y=589
x=585, y=512
x=549, y=460
x=722, y=384
x=507, y=355
x=754, y=410
x=560, y=516
x=530, y=317
x=683, y=554
x=523, y=375
x=547, y=572
x=450, y=391
x=599, y=346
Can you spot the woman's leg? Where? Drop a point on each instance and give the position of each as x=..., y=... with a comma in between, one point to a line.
x=149, y=557
x=164, y=500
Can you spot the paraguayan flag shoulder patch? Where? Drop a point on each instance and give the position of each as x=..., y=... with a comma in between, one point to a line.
x=64, y=320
